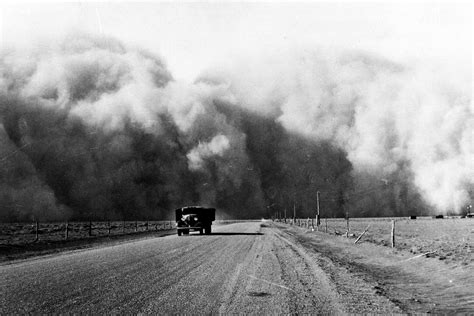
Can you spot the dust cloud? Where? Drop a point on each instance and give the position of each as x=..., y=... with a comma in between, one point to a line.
x=99, y=129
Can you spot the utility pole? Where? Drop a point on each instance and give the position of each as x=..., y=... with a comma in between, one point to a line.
x=317, y=210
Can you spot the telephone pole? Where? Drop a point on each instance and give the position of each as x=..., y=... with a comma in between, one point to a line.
x=317, y=210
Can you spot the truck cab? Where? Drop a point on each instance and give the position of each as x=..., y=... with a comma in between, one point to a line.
x=194, y=218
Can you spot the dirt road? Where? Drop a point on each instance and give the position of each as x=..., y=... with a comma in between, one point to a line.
x=243, y=267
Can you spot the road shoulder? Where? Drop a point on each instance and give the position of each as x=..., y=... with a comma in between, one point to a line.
x=414, y=284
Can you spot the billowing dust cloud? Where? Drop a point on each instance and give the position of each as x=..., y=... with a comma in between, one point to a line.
x=101, y=130
x=387, y=117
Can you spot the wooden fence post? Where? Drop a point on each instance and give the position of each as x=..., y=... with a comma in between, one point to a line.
x=67, y=230
x=108, y=226
x=347, y=232
x=146, y=225
x=136, y=226
x=36, y=231
x=363, y=233
x=326, y=220
x=393, y=234
x=90, y=228
x=123, y=227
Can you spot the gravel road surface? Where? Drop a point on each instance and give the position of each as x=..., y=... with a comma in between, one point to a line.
x=247, y=267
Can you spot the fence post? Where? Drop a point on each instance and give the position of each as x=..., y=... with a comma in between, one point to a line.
x=108, y=226
x=36, y=231
x=123, y=227
x=136, y=226
x=326, y=220
x=67, y=230
x=90, y=228
x=363, y=233
x=146, y=225
x=393, y=233
x=347, y=232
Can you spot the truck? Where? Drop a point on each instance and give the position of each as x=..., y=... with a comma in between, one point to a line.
x=194, y=218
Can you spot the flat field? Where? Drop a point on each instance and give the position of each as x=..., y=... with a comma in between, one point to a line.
x=25, y=233
x=449, y=239
x=17, y=234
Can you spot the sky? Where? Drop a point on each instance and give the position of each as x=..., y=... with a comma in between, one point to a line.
x=194, y=36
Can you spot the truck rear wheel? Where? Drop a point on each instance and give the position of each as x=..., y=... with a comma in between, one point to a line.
x=208, y=230
x=179, y=232
x=186, y=231
x=201, y=231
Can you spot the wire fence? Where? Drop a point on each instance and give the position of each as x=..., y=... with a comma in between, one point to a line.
x=33, y=232
x=23, y=233
x=449, y=238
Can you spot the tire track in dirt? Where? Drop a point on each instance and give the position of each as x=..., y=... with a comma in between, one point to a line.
x=413, y=283
x=311, y=289
x=342, y=290
x=256, y=286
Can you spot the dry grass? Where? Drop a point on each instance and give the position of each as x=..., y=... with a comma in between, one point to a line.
x=12, y=234
x=415, y=282
x=450, y=239
x=25, y=233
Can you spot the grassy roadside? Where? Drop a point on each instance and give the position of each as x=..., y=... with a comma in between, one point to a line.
x=10, y=253
x=417, y=284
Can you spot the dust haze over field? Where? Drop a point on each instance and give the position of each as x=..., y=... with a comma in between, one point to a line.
x=94, y=128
